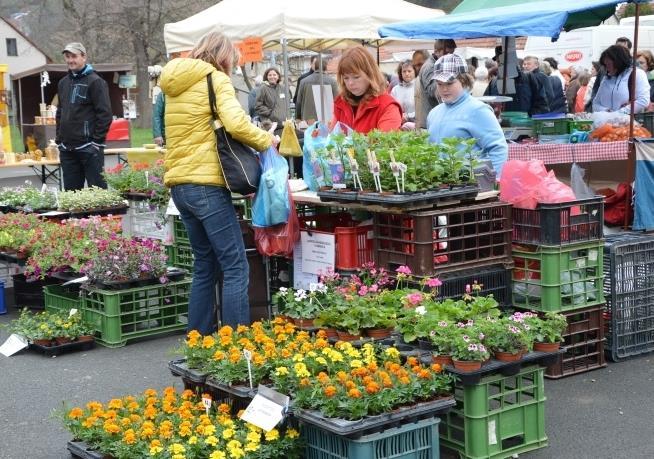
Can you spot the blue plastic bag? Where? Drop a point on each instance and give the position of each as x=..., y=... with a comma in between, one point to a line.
x=316, y=171
x=271, y=204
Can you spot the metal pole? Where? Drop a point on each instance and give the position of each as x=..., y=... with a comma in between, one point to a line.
x=631, y=159
x=286, y=101
x=505, y=45
x=322, y=88
x=20, y=108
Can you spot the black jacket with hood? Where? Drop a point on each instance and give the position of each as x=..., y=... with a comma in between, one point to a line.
x=84, y=113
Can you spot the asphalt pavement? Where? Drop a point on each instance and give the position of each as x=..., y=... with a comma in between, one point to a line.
x=606, y=413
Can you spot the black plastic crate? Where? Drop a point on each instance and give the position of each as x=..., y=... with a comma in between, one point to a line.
x=583, y=343
x=29, y=293
x=560, y=224
x=444, y=240
x=629, y=293
x=495, y=280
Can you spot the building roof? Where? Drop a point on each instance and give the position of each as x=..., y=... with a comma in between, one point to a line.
x=28, y=39
x=62, y=68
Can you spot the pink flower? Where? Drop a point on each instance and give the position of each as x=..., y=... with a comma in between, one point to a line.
x=468, y=290
x=414, y=298
x=363, y=290
x=373, y=288
x=433, y=282
x=403, y=270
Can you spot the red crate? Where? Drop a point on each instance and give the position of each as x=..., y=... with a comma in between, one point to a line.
x=444, y=240
x=354, y=244
x=583, y=343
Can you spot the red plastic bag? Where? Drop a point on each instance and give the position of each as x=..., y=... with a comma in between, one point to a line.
x=279, y=239
x=617, y=204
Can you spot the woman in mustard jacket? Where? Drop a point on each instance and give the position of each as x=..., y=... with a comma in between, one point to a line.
x=197, y=185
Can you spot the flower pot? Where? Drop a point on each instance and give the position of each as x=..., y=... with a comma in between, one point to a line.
x=442, y=359
x=467, y=365
x=43, y=342
x=547, y=347
x=330, y=332
x=378, y=333
x=345, y=336
x=86, y=338
x=62, y=340
x=507, y=356
x=303, y=323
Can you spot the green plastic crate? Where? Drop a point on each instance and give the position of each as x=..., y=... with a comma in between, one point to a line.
x=121, y=315
x=418, y=440
x=58, y=298
x=179, y=231
x=551, y=126
x=559, y=278
x=180, y=256
x=497, y=418
x=580, y=125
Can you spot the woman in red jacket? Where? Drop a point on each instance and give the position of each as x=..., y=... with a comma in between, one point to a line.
x=362, y=103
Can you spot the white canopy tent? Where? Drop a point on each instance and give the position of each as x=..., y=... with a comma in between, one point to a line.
x=302, y=24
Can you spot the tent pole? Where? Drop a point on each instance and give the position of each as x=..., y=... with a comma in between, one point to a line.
x=20, y=109
x=505, y=46
x=287, y=102
x=631, y=159
x=322, y=88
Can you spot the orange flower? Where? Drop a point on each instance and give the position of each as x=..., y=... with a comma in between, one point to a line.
x=188, y=393
x=354, y=393
x=436, y=368
x=150, y=393
x=372, y=366
x=323, y=377
x=330, y=391
x=115, y=404
x=349, y=384
x=372, y=387
x=342, y=376
x=224, y=408
x=412, y=361
x=405, y=380
x=424, y=374
x=129, y=437
x=76, y=413
x=305, y=382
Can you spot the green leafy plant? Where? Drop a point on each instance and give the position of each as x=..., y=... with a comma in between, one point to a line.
x=89, y=199
x=548, y=329
x=468, y=345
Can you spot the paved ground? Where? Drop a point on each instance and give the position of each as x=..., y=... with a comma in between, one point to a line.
x=606, y=413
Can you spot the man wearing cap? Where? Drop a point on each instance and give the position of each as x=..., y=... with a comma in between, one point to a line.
x=429, y=98
x=83, y=120
x=461, y=115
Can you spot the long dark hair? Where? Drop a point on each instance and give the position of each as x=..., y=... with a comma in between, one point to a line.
x=619, y=55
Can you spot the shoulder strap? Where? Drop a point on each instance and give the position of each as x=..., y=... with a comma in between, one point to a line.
x=212, y=98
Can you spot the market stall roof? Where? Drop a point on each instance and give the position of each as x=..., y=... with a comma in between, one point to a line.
x=62, y=68
x=467, y=6
x=303, y=24
x=539, y=18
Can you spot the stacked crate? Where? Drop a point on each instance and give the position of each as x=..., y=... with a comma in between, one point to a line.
x=558, y=253
x=146, y=220
x=460, y=245
x=629, y=291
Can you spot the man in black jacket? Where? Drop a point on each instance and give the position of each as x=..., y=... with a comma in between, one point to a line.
x=83, y=120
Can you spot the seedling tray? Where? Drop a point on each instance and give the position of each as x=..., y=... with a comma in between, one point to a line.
x=427, y=198
x=493, y=366
x=344, y=197
x=239, y=391
x=174, y=274
x=83, y=451
x=116, y=210
x=178, y=367
x=73, y=346
x=372, y=424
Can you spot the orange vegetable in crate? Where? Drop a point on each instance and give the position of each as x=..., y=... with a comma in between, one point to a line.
x=601, y=131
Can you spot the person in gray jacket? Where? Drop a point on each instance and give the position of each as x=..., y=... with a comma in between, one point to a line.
x=306, y=107
x=270, y=105
x=429, y=97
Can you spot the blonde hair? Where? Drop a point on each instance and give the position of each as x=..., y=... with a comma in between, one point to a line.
x=358, y=60
x=217, y=50
x=466, y=80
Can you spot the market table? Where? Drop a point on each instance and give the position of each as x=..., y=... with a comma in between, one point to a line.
x=570, y=152
x=149, y=154
x=48, y=169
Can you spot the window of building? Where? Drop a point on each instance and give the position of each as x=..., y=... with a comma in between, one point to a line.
x=12, y=47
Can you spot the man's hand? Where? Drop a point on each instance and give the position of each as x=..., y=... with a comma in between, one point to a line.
x=158, y=141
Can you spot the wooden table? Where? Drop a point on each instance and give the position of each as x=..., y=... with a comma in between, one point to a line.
x=133, y=153
x=48, y=169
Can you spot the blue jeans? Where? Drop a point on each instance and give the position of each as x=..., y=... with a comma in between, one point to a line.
x=213, y=229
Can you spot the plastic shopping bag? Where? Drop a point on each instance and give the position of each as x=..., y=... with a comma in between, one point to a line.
x=289, y=145
x=279, y=239
x=581, y=190
x=271, y=203
x=527, y=183
x=313, y=172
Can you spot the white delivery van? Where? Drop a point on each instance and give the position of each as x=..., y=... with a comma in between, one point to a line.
x=583, y=46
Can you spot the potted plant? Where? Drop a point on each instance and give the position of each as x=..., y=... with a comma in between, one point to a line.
x=327, y=319
x=300, y=305
x=547, y=331
x=507, y=338
x=468, y=350
x=442, y=336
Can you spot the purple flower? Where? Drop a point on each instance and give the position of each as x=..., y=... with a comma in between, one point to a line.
x=403, y=270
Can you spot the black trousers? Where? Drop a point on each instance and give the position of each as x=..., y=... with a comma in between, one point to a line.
x=82, y=165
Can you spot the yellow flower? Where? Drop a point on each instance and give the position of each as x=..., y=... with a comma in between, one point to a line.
x=211, y=440
x=218, y=455
x=301, y=370
x=129, y=437
x=321, y=360
x=235, y=449
x=208, y=342
x=281, y=371
x=356, y=363
x=292, y=433
x=154, y=450
x=272, y=435
x=178, y=456
x=252, y=446
x=253, y=437
x=392, y=352
x=228, y=433
x=76, y=413
x=192, y=440
x=176, y=448
x=298, y=358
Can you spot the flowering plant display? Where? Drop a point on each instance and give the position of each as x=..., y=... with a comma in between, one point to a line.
x=300, y=303
x=123, y=259
x=507, y=335
x=49, y=325
x=140, y=178
x=170, y=425
x=468, y=344
x=28, y=198
x=89, y=199
x=69, y=245
x=22, y=228
x=548, y=329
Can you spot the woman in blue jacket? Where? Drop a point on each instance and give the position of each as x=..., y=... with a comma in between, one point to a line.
x=461, y=115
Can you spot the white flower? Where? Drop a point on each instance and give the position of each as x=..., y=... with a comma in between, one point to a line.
x=300, y=295
x=421, y=310
x=466, y=338
x=283, y=290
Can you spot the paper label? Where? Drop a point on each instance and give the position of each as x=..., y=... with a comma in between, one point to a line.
x=301, y=279
x=592, y=255
x=171, y=209
x=207, y=404
x=266, y=409
x=72, y=312
x=492, y=435
x=13, y=344
x=318, y=252
x=581, y=263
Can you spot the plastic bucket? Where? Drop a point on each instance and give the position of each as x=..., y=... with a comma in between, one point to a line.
x=3, y=305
